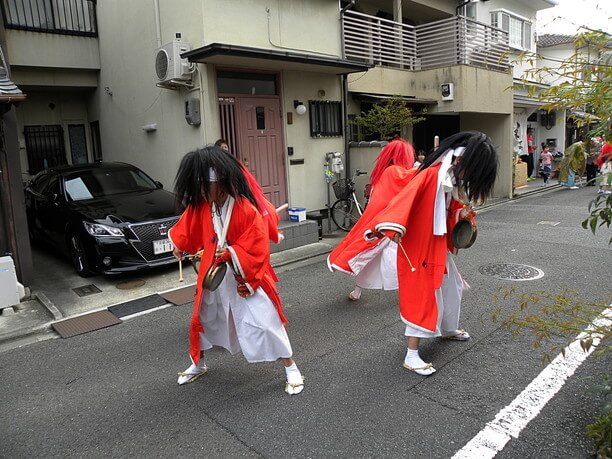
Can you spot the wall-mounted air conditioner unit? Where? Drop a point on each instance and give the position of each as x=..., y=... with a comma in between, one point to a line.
x=169, y=67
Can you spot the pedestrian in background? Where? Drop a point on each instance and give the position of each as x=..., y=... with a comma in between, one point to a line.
x=546, y=159
x=420, y=159
x=244, y=314
x=222, y=144
x=593, y=146
x=573, y=164
x=528, y=157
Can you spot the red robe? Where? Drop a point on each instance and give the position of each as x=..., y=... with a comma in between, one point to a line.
x=393, y=179
x=411, y=213
x=247, y=241
x=266, y=208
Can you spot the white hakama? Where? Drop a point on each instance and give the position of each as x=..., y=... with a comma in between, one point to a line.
x=448, y=297
x=249, y=325
x=376, y=268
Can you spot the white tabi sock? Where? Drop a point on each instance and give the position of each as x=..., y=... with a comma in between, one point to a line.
x=356, y=293
x=414, y=362
x=294, y=377
x=192, y=372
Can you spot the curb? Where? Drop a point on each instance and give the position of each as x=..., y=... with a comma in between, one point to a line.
x=278, y=259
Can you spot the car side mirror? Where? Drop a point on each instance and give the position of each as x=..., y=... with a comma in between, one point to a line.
x=159, y=184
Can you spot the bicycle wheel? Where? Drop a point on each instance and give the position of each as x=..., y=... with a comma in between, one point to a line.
x=344, y=213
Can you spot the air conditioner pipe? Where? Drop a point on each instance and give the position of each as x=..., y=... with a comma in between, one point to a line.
x=344, y=81
x=157, y=23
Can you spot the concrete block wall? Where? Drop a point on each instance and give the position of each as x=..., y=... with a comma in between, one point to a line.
x=296, y=234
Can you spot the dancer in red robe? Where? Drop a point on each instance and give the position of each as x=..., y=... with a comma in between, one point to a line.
x=244, y=314
x=421, y=219
x=374, y=262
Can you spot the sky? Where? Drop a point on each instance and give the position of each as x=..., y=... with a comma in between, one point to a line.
x=569, y=15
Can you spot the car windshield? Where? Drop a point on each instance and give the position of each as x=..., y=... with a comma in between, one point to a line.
x=96, y=183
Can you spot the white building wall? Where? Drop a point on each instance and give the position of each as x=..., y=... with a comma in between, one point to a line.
x=127, y=70
x=128, y=40
x=306, y=182
x=499, y=129
x=310, y=26
x=524, y=10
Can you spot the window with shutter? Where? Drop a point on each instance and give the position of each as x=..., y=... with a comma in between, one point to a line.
x=519, y=29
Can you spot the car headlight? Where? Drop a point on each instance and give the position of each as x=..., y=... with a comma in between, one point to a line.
x=96, y=229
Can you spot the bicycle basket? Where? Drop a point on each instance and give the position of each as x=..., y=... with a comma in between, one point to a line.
x=341, y=189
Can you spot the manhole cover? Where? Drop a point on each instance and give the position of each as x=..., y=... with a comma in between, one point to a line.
x=85, y=290
x=129, y=285
x=510, y=271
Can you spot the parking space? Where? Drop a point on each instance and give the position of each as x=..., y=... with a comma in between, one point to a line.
x=72, y=294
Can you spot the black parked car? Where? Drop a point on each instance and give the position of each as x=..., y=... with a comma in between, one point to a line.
x=107, y=217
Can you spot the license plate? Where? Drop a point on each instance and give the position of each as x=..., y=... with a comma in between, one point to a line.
x=162, y=246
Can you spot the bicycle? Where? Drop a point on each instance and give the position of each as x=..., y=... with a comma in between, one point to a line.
x=346, y=210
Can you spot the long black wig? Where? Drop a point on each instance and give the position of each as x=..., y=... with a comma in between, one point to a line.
x=193, y=176
x=476, y=169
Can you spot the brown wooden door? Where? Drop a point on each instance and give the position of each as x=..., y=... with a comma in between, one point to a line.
x=260, y=144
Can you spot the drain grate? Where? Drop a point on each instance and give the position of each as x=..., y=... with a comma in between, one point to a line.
x=85, y=290
x=511, y=271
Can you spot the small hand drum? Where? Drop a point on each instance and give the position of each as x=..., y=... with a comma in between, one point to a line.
x=214, y=276
x=464, y=234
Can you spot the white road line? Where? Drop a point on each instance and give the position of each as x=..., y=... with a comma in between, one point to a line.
x=512, y=419
x=146, y=311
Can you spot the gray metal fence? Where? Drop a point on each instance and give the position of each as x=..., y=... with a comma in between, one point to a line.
x=68, y=17
x=456, y=40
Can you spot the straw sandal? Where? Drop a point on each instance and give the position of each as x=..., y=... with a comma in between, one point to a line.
x=459, y=335
x=419, y=370
x=294, y=388
x=193, y=376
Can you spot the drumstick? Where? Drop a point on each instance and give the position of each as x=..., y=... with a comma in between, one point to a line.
x=281, y=208
x=180, y=270
x=412, y=268
x=436, y=142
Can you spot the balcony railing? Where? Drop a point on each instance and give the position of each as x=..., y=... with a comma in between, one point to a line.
x=456, y=40
x=378, y=41
x=67, y=17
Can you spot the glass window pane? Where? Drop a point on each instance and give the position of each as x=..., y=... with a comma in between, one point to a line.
x=246, y=83
x=516, y=32
x=260, y=115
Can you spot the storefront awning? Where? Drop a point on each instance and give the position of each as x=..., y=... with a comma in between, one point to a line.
x=271, y=59
x=9, y=92
x=372, y=97
x=582, y=115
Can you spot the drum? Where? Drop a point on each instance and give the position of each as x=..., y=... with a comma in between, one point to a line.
x=214, y=276
x=464, y=234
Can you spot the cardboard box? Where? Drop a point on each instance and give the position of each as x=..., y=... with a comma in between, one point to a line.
x=297, y=214
x=520, y=175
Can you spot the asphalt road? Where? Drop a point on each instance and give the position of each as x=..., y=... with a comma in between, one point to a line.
x=113, y=392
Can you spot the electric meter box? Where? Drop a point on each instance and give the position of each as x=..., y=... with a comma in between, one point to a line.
x=192, y=111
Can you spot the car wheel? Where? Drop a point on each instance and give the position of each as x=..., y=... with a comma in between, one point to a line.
x=78, y=256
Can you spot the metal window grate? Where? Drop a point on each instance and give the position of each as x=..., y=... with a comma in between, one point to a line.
x=227, y=111
x=325, y=118
x=67, y=17
x=45, y=147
